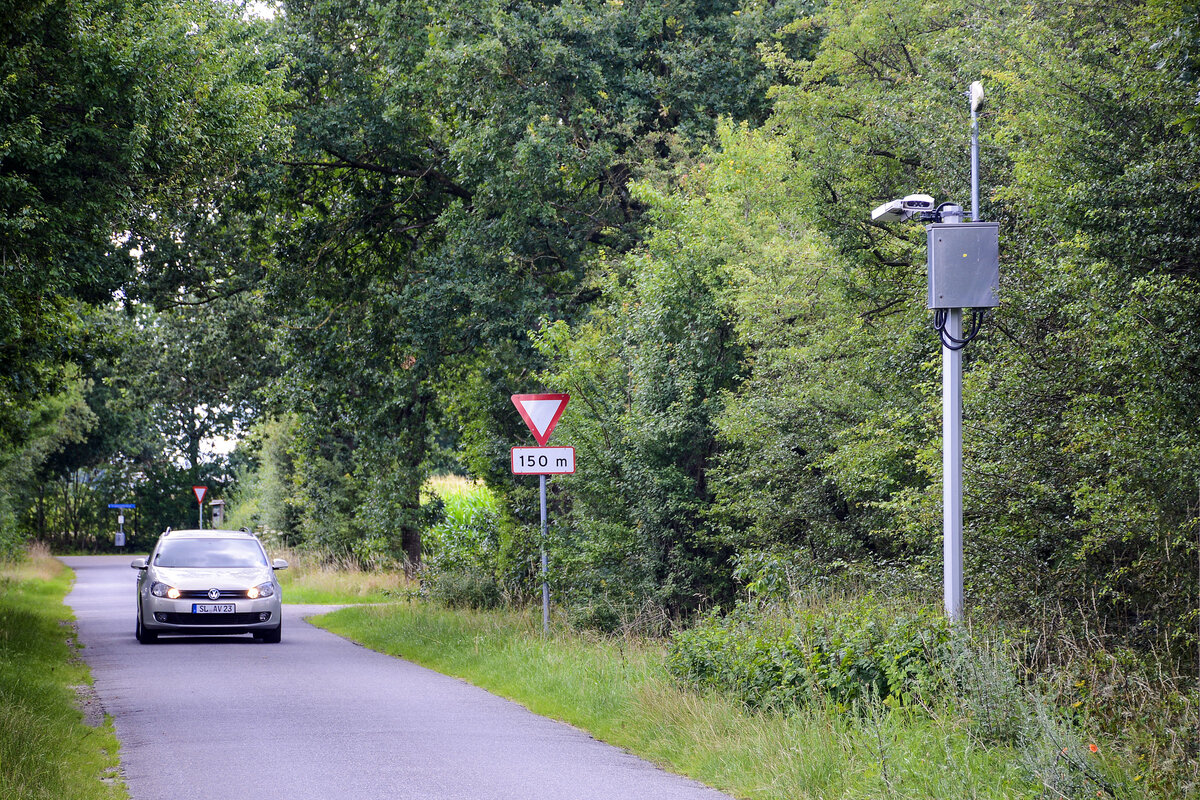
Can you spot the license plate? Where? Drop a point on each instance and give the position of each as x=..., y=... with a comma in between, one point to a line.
x=213, y=608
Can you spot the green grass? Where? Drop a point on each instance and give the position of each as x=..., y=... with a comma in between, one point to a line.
x=312, y=580
x=618, y=690
x=46, y=748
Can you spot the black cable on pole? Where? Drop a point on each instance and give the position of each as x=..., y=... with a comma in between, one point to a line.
x=950, y=342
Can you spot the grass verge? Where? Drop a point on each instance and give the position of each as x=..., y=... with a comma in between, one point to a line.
x=619, y=691
x=47, y=750
x=311, y=579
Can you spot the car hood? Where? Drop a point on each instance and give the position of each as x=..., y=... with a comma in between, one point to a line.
x=213, y=578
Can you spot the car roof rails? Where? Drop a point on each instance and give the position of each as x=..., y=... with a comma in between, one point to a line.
x=167, y=531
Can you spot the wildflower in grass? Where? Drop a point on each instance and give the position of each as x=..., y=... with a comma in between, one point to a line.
x=1093, y=748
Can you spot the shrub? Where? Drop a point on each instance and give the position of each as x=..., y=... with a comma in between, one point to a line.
x=466, y=589
x=600, y=616
x=858, y=650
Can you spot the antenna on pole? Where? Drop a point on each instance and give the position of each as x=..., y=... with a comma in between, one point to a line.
x=977, y=101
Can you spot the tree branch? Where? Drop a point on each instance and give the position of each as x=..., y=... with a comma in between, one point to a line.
x=426, y=174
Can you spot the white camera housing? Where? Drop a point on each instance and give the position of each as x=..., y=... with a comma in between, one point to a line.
x=904, y=208
x=977, y=98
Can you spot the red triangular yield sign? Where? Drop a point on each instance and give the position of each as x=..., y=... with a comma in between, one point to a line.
x=200, y=492
x=541, y=412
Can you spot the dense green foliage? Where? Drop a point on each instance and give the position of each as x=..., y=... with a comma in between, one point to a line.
x=842, y=654
x=131, y=136
x=346, y=234
x=455, y=170
x=821, y=443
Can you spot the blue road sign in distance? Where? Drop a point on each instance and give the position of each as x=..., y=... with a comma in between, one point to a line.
x=122, y=505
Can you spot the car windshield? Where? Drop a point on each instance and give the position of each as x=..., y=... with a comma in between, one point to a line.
x=210, y=553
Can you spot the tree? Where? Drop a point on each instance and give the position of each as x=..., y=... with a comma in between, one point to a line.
x=195, y=372
x=455, y=169
x=111, y=113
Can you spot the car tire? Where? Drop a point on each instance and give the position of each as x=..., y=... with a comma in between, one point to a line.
x=272, y=636
x=141, y=634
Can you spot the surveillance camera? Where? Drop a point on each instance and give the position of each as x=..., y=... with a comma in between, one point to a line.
x=917, y=203
x=905, y=208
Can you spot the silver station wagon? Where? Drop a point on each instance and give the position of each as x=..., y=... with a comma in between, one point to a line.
x=200, y=582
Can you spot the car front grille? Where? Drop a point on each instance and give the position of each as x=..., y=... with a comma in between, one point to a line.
x=208, y=620
x=202, y=594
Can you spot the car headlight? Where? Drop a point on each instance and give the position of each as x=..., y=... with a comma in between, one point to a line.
x=163, y=590
x=262, y=590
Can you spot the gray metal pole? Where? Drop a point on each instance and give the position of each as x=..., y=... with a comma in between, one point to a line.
x=545, y=565
x=952, y=512
x=974, y=166
x=976, y=98
x=952, y=509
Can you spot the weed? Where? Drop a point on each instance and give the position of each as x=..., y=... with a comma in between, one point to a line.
x=788, y=658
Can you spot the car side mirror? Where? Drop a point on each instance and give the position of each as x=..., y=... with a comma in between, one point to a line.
x=279, y=563
x=138, y=563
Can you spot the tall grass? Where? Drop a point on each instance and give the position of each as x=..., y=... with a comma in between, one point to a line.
x=1147, y=712
x=46, y=749
x=322, y=580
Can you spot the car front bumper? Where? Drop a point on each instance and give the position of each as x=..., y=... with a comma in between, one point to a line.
x=164, y=615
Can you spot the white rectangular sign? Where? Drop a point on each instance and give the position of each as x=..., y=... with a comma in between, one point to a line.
x=543, y=460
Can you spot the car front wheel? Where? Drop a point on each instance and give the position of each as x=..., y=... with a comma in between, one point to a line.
x=272, y=636
x=141, y=634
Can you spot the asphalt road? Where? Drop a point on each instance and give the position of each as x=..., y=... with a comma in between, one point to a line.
x=318, y=717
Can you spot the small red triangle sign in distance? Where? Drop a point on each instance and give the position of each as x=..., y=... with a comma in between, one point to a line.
x=200, y=492
x=541, y=412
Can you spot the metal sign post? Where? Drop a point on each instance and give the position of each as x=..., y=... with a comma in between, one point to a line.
x=964, y=272
x=979, y=260
x=119, y=539
x=545, y=563
x=952, y=509
x=952, y=505
x=541, y=413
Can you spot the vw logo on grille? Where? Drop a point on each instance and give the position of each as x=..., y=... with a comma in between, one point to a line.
x=214, y=594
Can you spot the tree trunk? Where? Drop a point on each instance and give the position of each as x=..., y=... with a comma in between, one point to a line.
x=410, y=529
